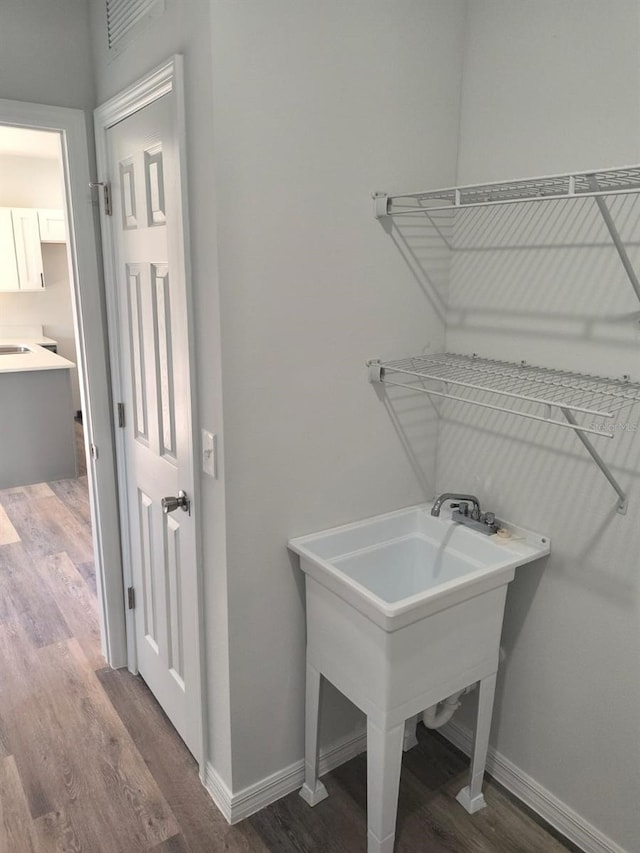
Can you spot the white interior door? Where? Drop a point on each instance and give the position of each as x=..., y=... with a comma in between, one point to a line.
x=152, y=337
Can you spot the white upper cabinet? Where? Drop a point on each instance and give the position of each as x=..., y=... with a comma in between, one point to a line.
x=8, y=263
x=52, y=227
x=22, y=231
x=26, y=235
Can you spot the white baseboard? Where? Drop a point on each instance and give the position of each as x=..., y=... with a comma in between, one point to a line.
x=236, y=807
x=531, y=793
x=218, y=791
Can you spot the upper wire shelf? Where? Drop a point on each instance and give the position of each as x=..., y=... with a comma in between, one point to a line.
x=597, y=183
x=556, y=397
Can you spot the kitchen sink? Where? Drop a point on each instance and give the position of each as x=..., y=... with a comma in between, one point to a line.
x=11, y=349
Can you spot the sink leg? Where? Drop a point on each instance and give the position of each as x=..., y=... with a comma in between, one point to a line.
x=471, y=797
x=384, y=761
x=410, y=737
x=313, y=791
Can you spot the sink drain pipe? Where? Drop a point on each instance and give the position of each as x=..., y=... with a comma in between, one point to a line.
x=439, y=714
x=434, y=718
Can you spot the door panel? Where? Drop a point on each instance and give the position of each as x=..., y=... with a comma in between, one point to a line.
x=153, y=337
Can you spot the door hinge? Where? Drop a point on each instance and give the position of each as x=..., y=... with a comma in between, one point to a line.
x=106, y=194
x=93, y=449
x=131, y=598
x=121, y=415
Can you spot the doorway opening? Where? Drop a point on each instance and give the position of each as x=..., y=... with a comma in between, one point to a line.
x=46, y=540
x=36, y=308
x=51, y=294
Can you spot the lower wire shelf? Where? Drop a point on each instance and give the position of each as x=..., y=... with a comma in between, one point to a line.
x=582, y=403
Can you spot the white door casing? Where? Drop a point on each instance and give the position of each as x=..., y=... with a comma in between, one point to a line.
x=147, y=294
x=91, y=345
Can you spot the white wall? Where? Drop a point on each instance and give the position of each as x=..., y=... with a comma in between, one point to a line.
x=37, y=182
x=549, y=88
x=316, y=106
x=30, y=182
x=45, y=52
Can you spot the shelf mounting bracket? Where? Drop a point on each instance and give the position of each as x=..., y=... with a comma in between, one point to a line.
x=615, y=236
x=623, y=500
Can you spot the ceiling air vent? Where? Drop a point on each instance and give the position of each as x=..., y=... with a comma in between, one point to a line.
x=127, y=18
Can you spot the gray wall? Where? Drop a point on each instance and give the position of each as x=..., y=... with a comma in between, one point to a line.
x=316, y=106
x=45, y=52
x=546, y=91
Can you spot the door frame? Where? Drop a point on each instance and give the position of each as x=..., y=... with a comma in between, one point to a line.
x=166, y=79
x=93, y=372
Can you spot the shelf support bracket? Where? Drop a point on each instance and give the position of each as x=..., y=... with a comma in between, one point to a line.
x=623, y=501
x=615, y=235
x=380, y=205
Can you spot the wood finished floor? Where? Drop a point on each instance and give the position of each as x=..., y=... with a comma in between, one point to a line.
x=90, y=764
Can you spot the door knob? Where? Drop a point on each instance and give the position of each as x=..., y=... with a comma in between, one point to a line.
x=171, y=503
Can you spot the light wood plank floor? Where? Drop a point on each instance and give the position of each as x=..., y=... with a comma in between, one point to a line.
x=89, y=763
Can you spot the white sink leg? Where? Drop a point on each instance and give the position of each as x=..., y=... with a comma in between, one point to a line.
x=410, y=737
x=384, y=761
x=313, y=791
x=471, y=797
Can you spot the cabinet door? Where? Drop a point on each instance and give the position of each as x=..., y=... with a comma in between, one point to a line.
x=52, y=228
x=28, y=251
x=8, y=265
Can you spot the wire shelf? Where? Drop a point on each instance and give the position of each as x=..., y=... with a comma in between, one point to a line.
x=539, y=393
x=600, y=182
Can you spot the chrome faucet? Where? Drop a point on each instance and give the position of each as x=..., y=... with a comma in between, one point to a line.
x=451, y=496
x=484, y=522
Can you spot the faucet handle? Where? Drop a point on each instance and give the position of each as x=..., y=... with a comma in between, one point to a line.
x=488, y=518
x=463, y=506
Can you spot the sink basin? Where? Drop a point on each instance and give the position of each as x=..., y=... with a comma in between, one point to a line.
x=12, y=349
x=402, y=566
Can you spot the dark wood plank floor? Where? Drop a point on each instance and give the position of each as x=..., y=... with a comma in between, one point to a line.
x=89, y=763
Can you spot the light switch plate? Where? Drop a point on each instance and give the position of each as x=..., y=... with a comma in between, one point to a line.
x=209, y=454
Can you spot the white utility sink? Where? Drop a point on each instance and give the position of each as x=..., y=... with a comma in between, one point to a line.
x=403, y=610
x=400, y=567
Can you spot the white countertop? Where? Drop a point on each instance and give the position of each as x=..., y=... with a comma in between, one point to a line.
x=37, y=358
x=41, y=340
